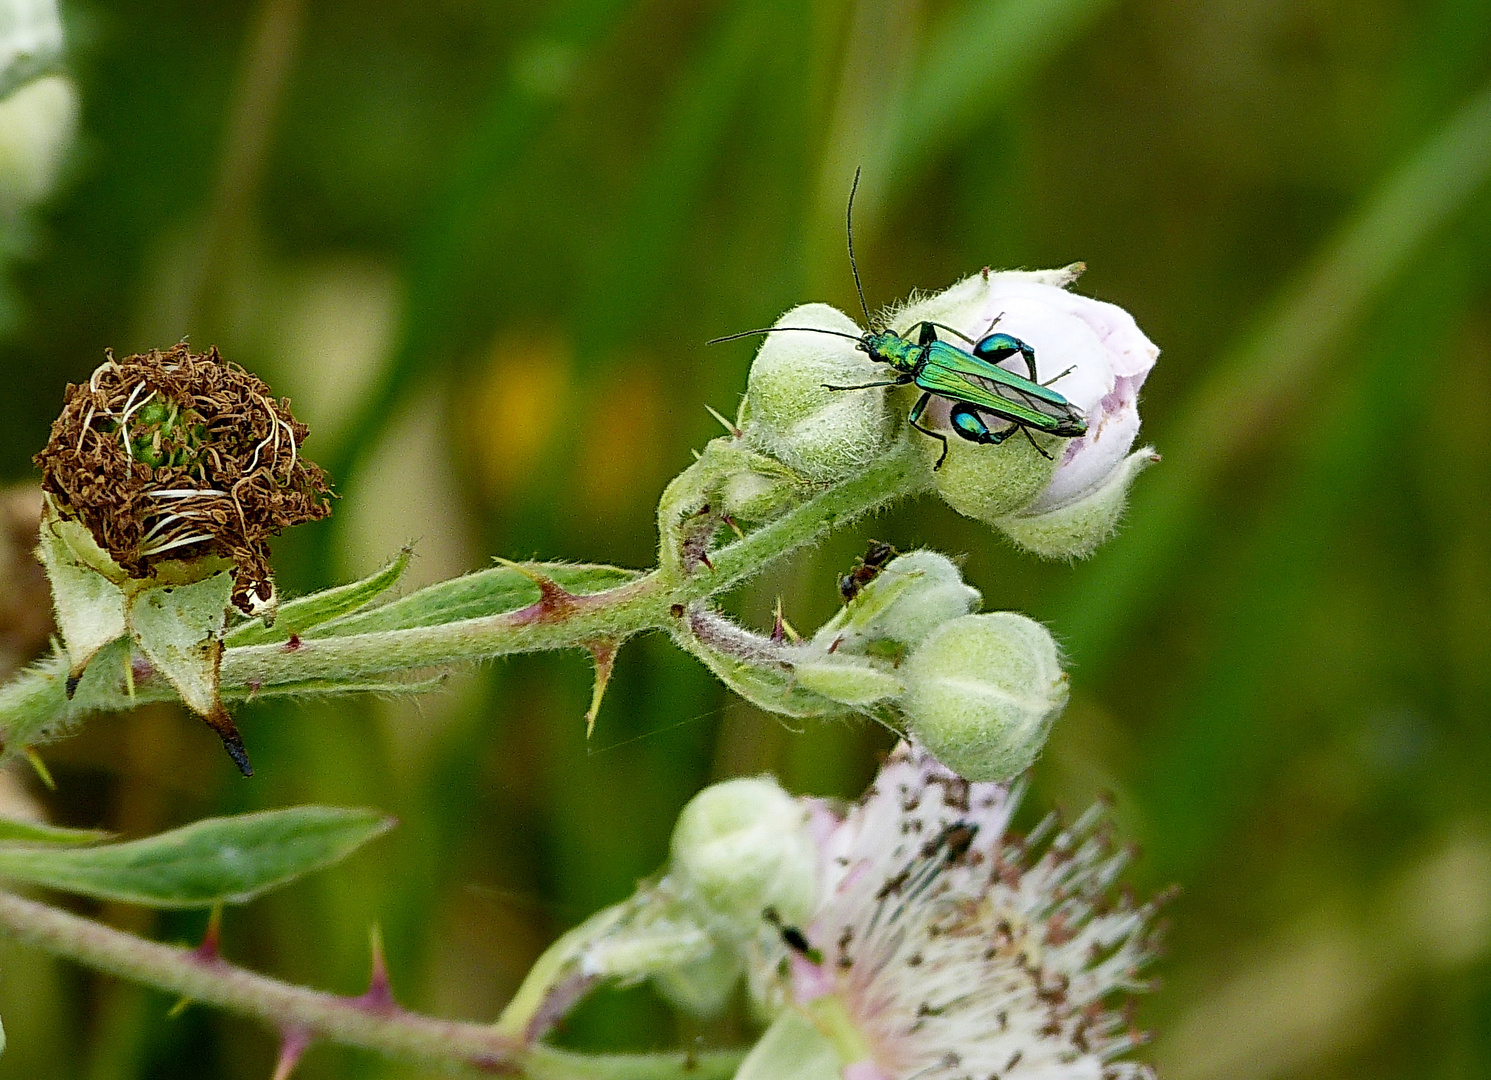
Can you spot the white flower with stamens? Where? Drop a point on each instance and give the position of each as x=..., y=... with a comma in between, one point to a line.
x=944, y=948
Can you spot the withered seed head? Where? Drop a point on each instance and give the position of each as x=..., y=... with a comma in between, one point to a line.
x=175, y=454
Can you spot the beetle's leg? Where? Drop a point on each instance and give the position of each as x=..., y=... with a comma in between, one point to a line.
x=916, y=414
x=996, y=348
x=970, y=425
x=928, y=333
x=1031, y=439
x=1029, y=354
x=992, y=324
x=1063, y=375
x=869, y=385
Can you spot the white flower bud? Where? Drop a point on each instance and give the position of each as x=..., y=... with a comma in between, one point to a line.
x=740, y=847
x=982, y=692
x=1074, y=529
x=913, y=595
x=790, y=414
x=1093, y=353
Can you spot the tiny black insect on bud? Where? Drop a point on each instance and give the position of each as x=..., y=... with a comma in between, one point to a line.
x=866, y=569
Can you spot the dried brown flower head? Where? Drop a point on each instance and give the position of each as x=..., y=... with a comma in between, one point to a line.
x=176, y=454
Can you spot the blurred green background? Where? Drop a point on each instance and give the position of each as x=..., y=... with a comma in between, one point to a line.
x=480, y=245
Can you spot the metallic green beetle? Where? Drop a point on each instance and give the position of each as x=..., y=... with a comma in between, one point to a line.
x=973, y=380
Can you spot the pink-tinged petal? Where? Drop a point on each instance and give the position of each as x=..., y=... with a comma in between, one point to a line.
x=866, y=1070
x=810, y=981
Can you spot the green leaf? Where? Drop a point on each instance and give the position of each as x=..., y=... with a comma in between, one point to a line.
x=35, y=832
x=218, y=860
x=486, y=592
x=301, y=614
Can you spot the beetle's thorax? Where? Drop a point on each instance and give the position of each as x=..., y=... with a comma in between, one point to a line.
x=889, y=347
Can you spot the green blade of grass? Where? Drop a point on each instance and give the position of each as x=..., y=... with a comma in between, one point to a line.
x=976, y=59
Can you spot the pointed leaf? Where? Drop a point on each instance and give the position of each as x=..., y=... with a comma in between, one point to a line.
x=37, y=832
x=486, y=592
x=177, y=627
x=218, y=860
x=301, y=614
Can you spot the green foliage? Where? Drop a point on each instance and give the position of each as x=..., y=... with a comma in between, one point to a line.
x=1279, y=667
x=228, y=860
x=307, y=612
x=486, y=592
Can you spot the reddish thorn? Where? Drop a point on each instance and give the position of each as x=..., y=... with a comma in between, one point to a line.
x=210, y=951
x=835, y=646
x=778, y=627
x=704, y=558
x=293, y=643
x=293, y=1043
x=552, y=597
x=603, y=651
x=985, y=273
x=378, y=997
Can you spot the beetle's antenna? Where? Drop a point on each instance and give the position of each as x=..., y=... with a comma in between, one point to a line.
x=853, y=266
x=775, y=329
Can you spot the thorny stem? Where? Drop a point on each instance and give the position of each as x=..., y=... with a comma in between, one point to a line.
x=33, y=707
x=380, y=1026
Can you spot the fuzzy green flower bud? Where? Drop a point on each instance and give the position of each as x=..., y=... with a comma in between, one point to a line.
x=740, y=847
x=1074, y=529
x=790, y=413
x=982, y=692
x=913, y=595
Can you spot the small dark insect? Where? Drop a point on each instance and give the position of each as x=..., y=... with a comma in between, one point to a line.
x=866, y=569
x=792, y=937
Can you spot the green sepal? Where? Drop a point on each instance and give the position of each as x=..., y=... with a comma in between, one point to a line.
x=794, y=680
x=218, y=860
x=179, y=629
x=88, y=600
x=305, y=612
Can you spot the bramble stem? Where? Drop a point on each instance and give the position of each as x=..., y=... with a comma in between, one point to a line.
x=332, y=1017
x=34, y=706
